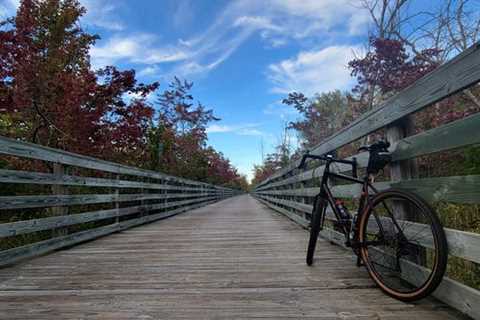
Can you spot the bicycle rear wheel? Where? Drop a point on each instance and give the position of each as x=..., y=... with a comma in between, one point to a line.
x=403, y=245
x=315, y=227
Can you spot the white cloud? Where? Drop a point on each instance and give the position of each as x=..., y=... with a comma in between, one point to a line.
x=358, y=23
x=162, y=55
x=278, y=42
x=196, y=55
x=256, y=22
x=103, y=14
x=215, y=128
x=243, y=129
x=138, y=48
x=323, y=9
x=149, y=71
x=276, y=21
x=280, y=110
x=183, y=14
x=313, y=71
x=314, y=18
x=149, y=98
x=250, y=132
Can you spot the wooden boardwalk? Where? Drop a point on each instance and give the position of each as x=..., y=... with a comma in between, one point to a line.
x=235, y=259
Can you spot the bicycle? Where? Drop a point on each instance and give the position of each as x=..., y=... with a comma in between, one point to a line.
x=394, y=233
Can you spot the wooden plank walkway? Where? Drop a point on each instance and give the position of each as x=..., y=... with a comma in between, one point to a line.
x=235, y=259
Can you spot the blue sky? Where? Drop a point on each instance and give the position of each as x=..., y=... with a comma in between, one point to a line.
x=244, y=56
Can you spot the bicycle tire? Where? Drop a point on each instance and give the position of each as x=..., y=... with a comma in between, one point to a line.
x=315, y=227
x=412, y=272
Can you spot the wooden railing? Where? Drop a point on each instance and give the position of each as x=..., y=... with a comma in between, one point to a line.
x=74, y=198
x=291, y=191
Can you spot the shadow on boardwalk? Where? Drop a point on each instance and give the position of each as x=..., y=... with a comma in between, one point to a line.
x=230, y=260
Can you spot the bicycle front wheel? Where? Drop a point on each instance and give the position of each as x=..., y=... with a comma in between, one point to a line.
x=403, y=245
x=315, y=227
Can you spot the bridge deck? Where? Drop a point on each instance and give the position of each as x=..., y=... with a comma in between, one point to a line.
x=230, y=260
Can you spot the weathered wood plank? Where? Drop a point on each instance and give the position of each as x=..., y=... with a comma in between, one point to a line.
x=458, y=189
x=305, y=192
x=362, y=160
x=307, y=208
x=34, y=225
x=460, y=133
x=461, y=244
x=28, y=177
x=22, y=202
x=341, y=191
x=14, y=255
x=33, y=151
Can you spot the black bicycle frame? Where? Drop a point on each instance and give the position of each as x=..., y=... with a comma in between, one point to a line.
x=326, y=194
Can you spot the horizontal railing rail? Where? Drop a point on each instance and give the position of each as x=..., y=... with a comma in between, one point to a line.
x=71, y=198
x=290, y=191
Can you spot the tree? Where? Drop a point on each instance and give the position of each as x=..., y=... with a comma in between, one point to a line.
x=322, y=115
x=49, y=90
x=266, y=169
x=178, y=140
x=388, y=68
x=447, y=29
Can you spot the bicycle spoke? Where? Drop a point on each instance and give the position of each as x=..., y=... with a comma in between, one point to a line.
x=404, y=230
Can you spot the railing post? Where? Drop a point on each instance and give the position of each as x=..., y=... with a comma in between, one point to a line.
x=406, y=169
x=144, y=211
x=117, y=199
x=303, y=198
x=164, y=193
x=59, y=189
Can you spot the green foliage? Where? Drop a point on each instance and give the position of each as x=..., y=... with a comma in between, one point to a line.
x=322, y=115
x=472, y=160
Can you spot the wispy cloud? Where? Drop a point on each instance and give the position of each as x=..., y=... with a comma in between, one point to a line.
x=149, y=71
x=297, y=20
x=280, y=110
x=313, y=71
x=276, y=21
x=184, y=13
x=103, y=14
x=136, y=48
x=216, y=128
x=196, y=55
x=242, y=129
x=257, y=22
x=250, y=132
